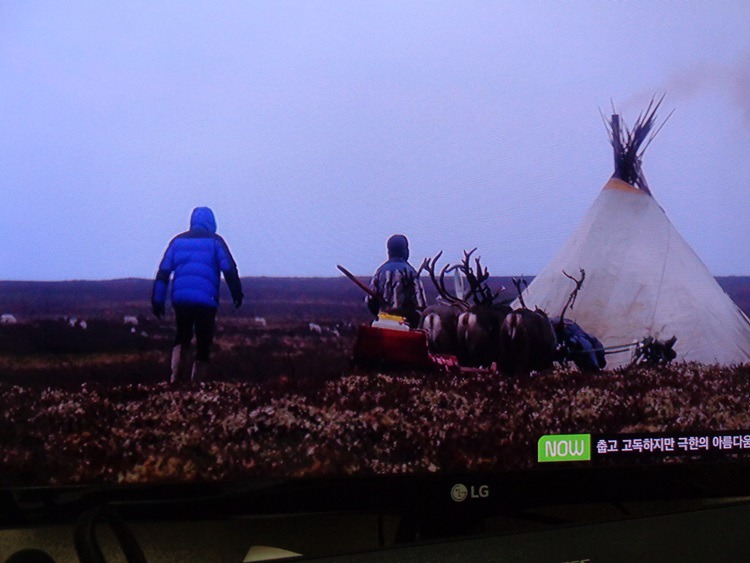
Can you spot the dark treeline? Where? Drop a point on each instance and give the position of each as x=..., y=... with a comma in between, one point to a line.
x=303, y=297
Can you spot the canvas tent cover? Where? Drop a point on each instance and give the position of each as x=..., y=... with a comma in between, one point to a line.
x=642, y=279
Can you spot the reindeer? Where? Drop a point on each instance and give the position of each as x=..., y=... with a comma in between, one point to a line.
x=527, y=338
x=479, y=326
x=440, y=320
x=467, y=324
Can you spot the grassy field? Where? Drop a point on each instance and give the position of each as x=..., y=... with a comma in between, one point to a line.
x=354, y=423
x=82, y=405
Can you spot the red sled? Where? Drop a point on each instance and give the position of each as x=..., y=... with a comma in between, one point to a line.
x=398, y=348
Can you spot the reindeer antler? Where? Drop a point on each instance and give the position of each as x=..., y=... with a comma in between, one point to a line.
x=487, y=297
x=439, y=282
x=518, y=282
x=479, y=290
x=573, y=294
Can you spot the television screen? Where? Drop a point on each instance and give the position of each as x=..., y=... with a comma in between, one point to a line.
x=333, y=243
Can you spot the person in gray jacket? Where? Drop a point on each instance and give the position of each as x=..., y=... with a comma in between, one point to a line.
x=197, y=258
x=396, y=286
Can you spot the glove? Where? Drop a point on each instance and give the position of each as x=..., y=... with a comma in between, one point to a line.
x=238, y=301
x=157, y=309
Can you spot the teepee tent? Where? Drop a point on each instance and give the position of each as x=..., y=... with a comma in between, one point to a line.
x=642, y=277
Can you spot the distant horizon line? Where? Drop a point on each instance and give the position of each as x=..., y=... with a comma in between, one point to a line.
x=300, y=277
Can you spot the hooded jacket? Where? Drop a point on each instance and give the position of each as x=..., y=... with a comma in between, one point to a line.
x=396, y=282
x=197, y=257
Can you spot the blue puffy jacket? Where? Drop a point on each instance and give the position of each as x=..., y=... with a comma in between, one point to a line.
x=197, y=258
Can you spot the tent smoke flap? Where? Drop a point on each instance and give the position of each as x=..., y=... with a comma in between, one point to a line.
x=630, y=144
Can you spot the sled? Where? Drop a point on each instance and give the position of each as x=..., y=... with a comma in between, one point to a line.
x=396, y=347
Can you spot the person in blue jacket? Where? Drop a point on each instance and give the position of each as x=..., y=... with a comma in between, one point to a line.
x=197, y=257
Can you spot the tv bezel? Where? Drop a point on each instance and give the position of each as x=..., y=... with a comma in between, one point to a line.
x=510, y=493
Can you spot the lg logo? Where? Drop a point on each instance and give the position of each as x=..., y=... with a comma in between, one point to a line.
x=460, y=492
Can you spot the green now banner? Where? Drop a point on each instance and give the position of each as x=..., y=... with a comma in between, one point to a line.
x=564, y=447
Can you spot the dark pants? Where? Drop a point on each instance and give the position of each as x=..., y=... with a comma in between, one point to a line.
x=199, y=320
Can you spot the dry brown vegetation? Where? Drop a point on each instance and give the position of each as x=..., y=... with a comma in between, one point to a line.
x=93, y=405
x=355, y=423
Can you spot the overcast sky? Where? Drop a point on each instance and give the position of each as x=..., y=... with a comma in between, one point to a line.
x=316, y=129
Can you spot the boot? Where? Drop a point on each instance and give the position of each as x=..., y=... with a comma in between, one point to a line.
x=200, y=370
x=178, y=364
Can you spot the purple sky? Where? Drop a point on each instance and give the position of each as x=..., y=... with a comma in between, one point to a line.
x=317, y=129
